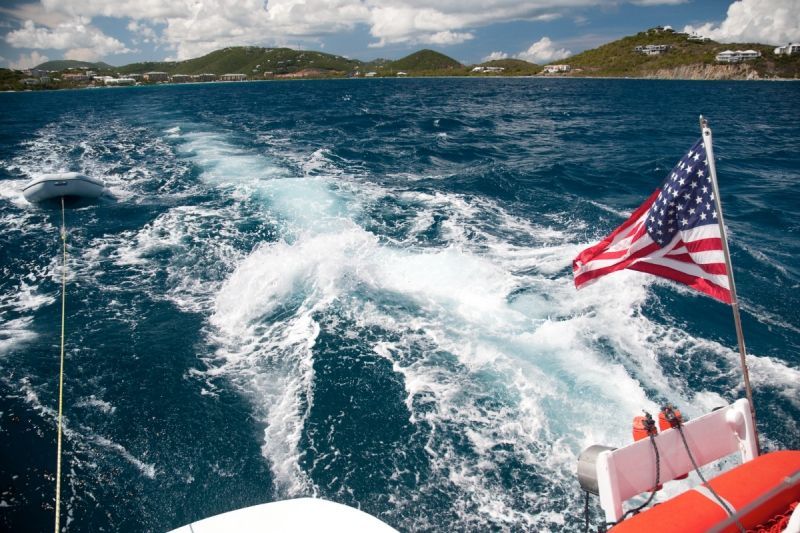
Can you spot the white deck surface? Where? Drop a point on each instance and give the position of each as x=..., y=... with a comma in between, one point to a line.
x=295, y=516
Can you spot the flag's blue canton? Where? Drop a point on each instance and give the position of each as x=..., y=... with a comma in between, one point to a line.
x=686, y=198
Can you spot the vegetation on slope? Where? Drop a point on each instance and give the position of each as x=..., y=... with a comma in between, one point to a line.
x=618, y=58
x=64, y=64
x=424, y=60
x=251, y=60
x=513, y=67
x=10, y=80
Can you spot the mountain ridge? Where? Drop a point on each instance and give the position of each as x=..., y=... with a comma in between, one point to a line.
x=685, y=58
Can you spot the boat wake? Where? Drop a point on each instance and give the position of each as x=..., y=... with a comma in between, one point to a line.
x=411, y=350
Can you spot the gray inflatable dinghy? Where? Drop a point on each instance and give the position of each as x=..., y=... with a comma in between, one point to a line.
x=50, y=186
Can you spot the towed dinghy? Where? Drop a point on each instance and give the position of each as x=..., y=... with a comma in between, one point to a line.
x=51, y=186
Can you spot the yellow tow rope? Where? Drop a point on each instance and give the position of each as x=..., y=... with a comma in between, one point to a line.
x=61, y=373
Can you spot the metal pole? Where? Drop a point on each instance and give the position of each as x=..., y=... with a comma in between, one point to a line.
x=737, y=319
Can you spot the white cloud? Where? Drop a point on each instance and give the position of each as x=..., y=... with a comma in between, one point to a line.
x=82, y=54
x=35, y=12
x=494, y=56
x=144, y=31
x=763, y=21
x=135, y=9
x=189, y=28
x=547, y=17
x=448, y=37
x=543, y=51
x=76, y=36
x=28, y=60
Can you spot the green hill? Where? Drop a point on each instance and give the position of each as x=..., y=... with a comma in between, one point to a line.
x=424, y=60
x=684, y=58
x=512, y=67
x=64, y=64
x=250, y=60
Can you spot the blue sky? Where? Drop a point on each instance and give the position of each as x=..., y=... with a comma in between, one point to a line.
x=124, y=31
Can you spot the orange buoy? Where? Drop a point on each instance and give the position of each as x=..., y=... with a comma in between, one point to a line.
x=642, y=427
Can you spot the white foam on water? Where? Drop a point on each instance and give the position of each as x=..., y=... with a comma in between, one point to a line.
x=15, y=332
x=223, y=163
x=146, y=469
x=11, y=191
x=194, y=245
x=96, y=403
x=273, y=362
x=326, y=262
x=21, y=298
x=27, y=298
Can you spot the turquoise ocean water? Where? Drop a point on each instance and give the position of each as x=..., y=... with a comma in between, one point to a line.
x=361, y=290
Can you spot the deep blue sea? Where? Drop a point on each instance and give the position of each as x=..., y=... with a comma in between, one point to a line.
x=361, y=290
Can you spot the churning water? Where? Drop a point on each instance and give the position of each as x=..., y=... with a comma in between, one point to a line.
x=361, y=290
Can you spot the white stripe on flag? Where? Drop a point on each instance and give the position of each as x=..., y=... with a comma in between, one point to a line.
x=709, y=231
x=708, y=257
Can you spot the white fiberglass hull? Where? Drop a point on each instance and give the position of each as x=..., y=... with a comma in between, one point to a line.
x=51, y=186
x=301, y=515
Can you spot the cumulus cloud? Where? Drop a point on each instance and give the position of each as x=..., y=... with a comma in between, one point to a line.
x=543, y=51
x=35, y=12
x=764, y=21
x=189, y=28
x=448, y=37
x=26, y=61
x=144, y=31
x=494, y=56
x=76, y=36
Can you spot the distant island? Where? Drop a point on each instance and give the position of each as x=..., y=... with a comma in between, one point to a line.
x=656, y=53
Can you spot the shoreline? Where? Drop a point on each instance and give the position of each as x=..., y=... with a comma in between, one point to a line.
x=291, y=80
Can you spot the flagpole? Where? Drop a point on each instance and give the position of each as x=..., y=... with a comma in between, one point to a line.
x=737, y=319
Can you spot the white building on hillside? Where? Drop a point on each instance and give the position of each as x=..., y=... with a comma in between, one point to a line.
x=696, y=37
x=156, y=76
x=737, y=56
x=552, y=69
x=789, y=49
x=120, y=82
x=749, y=54
x=652, y=49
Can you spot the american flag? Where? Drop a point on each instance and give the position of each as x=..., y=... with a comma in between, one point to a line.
x=674, y=234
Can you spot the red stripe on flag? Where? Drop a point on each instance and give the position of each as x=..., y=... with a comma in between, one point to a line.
x=704, y=245
x=590, y=253
x=593, y=274
x=697, y=283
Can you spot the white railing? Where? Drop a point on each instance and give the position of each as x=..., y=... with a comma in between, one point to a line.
x=625, y=472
